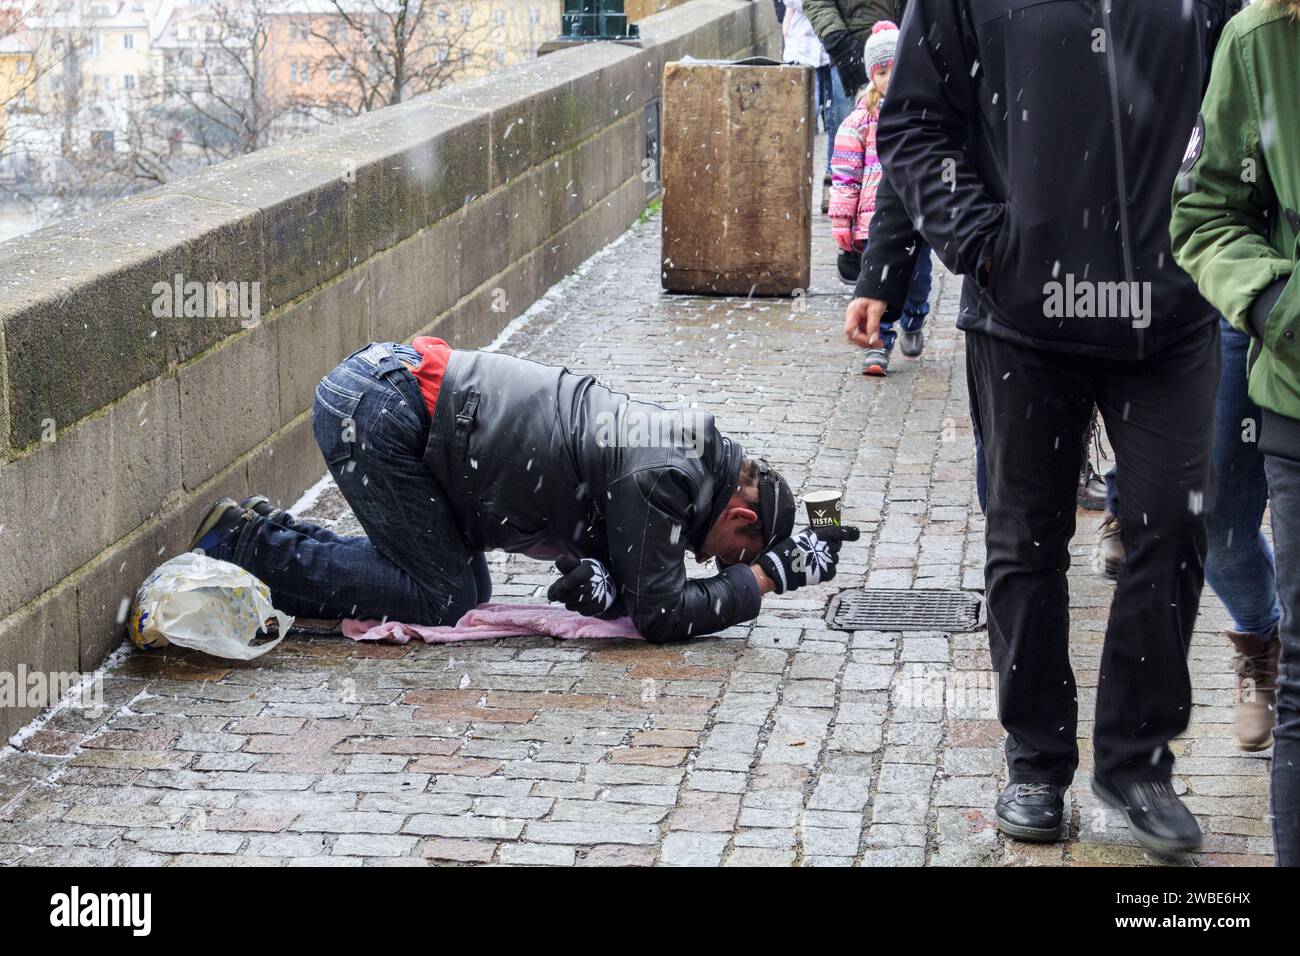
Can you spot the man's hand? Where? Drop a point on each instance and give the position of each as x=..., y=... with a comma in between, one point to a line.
x=809, y=557
x=585, y=587
x=862, y=322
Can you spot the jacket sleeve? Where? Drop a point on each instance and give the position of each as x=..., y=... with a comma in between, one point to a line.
x=890, y=256
x=1223, y=196
x=824, y=15
x=847, y=162
x=646, y=518
x=924, y=131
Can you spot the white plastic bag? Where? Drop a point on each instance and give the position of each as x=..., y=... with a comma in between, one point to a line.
x=208, y=605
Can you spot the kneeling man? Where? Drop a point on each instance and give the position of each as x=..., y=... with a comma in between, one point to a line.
x=444, y=453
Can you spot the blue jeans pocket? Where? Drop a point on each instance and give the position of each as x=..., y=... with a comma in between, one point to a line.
x=395, y=429
x=334, y=421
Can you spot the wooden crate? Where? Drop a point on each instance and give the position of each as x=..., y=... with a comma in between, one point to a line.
x=737, y=148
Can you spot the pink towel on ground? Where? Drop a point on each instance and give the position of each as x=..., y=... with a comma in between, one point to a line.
x=490, y=621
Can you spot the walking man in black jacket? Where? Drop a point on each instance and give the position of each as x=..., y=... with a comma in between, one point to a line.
x=444, y=454
x=1035, y=145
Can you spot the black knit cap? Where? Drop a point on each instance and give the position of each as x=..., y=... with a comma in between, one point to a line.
x=776, y=505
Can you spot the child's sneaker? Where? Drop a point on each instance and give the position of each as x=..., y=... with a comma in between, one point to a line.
x=911, y=342
x=875, y=362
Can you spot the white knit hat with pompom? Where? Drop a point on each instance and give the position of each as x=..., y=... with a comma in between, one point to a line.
x=881, y=46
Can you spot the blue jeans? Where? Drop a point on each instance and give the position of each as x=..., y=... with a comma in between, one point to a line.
x=1239, y=563
x=1284, y=487
x=917, y=305
x=837, y=109
x=371, y=424
x=823, y=91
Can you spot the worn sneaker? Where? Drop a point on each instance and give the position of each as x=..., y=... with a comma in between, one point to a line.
x=1108, y=558
x=911, y=343
x=220, y=521
x=1031, y=811
x=1156, y=817
x=875, y=362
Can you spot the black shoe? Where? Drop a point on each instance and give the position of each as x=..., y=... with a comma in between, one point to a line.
x=260, y=505
x=220, y=520
x=1092, y=490
x=1031, y=811
x=1157, y=818
x=912, y=343
x=848, y=264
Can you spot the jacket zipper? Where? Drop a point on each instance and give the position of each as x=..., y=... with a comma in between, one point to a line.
x=1126, y=238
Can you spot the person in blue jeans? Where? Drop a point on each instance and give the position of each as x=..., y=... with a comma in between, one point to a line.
x=915, y=309
x=1239, y=563
x=445, y=453
x=802, y=46
x=875, y=358
x=1238, y=237
x=407, y=567
x=837, y=105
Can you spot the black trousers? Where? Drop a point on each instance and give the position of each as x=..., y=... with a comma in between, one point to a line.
x=1030, y=408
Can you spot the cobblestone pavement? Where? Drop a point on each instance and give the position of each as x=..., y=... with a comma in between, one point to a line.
x=781, y=742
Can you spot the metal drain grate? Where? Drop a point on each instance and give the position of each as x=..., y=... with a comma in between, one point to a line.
x=882, y=609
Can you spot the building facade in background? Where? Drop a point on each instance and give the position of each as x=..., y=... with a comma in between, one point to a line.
x=100, y=98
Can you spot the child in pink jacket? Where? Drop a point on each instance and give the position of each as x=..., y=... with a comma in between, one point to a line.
x=857, y=173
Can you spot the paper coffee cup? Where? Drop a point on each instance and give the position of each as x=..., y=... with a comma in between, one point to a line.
x=824, y=508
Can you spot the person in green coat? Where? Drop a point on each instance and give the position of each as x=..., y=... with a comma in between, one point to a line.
x=844, y=26
x=1236, y=232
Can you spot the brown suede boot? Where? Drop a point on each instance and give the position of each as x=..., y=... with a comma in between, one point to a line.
x=1255, y=691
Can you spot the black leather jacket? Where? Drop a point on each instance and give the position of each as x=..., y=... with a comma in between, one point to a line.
x=544, y=462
